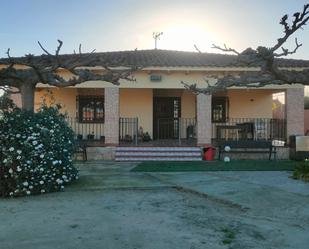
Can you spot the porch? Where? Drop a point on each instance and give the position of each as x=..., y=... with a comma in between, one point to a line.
x=114, y=116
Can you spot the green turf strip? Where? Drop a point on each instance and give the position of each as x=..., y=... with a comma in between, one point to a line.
x=236, y=165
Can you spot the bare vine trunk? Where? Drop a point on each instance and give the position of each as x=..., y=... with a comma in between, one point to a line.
x=27, y=96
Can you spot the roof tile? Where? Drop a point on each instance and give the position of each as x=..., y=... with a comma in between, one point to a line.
x=171, y=58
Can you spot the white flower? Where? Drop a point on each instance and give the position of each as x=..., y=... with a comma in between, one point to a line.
x=18, y=158
x=55, y=162
x=59, y=181
x=34, y=142
x=227, y=148
x=227, y=159
x=18, y=169
x=42, y=156
x=19, y=152
x=28, y=192
x=11, y=193
x=41, y=182
x=26, y=184
x=11, y=149
x=18, y=135
x=5, y=160
x=42, y=191
x=10, y=171
x=30, y=187
x=51, y=131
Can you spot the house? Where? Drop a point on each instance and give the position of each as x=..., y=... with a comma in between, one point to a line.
x=156, y=110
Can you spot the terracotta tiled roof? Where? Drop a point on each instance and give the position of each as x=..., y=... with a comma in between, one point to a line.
x=170, y=58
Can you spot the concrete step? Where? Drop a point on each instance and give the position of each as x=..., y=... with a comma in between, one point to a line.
x=152, y=153
x=138, y=159
x=165, y=149
x=158, y=154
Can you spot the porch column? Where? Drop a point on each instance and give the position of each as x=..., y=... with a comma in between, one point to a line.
x=111, y=124
x=294, y=100
x=203, y=111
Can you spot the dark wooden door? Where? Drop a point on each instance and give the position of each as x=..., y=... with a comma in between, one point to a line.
x=166, y=113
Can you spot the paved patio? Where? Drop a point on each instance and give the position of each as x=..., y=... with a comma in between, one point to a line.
x=111, y=207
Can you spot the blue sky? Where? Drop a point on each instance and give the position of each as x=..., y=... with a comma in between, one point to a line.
x=129, y=24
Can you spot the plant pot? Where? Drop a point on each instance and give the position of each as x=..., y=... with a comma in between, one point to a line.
x=90, y=136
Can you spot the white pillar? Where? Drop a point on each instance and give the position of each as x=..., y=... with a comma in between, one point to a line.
x=204, y=127
x=111, y=124
x=295, y=111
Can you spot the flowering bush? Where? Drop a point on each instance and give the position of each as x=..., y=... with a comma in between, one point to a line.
x=35, y=152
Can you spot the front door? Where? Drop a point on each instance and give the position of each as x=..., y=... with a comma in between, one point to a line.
x=166, y=113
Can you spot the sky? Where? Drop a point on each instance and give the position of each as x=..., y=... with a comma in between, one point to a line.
x=129, y=24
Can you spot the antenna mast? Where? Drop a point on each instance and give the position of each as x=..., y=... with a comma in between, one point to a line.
x=156, y=37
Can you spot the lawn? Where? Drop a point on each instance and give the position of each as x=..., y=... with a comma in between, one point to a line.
x=236, y=165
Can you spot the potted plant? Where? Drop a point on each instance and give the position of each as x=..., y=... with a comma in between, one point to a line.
x=90, y=136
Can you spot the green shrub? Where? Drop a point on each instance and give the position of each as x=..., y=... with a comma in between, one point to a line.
x=35, y=152
x=301, y=171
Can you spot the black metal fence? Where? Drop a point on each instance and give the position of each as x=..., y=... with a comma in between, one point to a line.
x=250, y=129
x=86, y=130
x=187, y=128
x=176, y=128
x=128, y=130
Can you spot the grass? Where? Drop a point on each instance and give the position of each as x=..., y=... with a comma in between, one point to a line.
x=301, y=171
x=229, y=236
x=236, y=165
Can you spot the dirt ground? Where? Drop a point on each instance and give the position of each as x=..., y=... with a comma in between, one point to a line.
x=111, y=207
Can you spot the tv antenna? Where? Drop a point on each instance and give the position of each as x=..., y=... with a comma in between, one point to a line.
x=156, y=37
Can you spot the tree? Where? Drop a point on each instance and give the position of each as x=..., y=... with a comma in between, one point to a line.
x=266, y=58
x=26, y=72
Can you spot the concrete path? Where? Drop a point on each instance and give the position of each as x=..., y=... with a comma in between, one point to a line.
x=111, y=207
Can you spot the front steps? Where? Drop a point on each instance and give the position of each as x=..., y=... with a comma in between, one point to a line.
x=158, y=154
